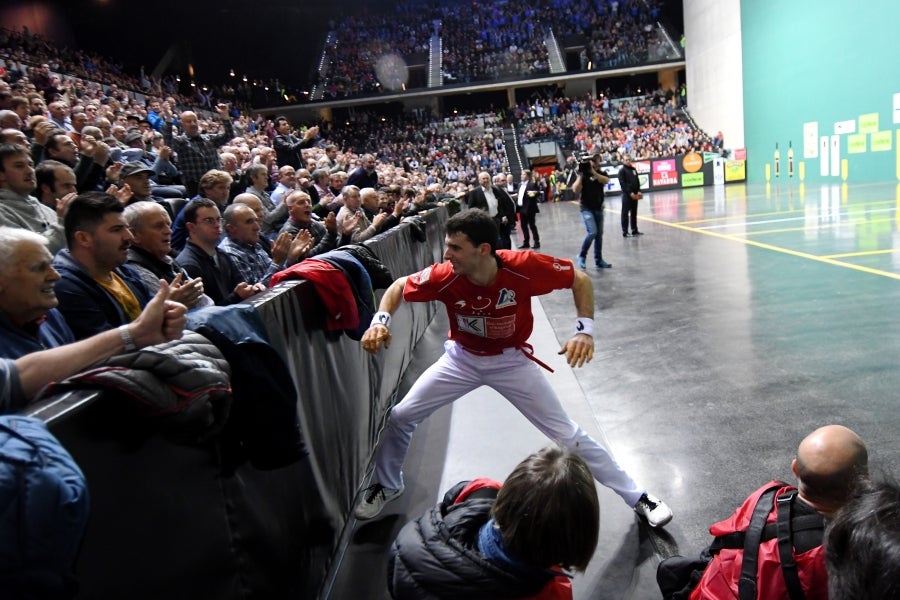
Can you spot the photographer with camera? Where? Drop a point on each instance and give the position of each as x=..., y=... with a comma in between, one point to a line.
x=590, y=184
x=631, y=193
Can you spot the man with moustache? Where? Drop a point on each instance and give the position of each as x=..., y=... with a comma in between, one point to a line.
x=97, y=290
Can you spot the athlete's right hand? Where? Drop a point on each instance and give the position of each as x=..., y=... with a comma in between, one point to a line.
x=374, y=337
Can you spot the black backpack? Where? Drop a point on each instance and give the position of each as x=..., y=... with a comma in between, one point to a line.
x=677, y=576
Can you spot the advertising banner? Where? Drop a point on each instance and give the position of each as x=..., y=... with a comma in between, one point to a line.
x=664, y=173
x=735, y=170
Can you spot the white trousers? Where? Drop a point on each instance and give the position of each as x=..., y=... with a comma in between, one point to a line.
x=516, y=378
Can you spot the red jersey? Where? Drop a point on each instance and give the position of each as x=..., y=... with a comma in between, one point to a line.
x=488, y=319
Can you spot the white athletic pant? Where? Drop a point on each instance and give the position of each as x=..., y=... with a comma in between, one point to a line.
x=516, y=378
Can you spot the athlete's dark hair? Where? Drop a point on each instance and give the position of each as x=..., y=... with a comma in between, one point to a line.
x=477, y=225
x=548, y=512
x=862, y=545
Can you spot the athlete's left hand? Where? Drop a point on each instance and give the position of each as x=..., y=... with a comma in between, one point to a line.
x=578, y=350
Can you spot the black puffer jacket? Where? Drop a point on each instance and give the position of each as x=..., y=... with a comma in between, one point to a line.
x=437, y=557
x=182, y=386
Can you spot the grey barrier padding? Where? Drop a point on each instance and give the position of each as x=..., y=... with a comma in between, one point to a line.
x=166, y=521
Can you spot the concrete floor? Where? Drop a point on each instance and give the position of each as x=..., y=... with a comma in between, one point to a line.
x=746, y=317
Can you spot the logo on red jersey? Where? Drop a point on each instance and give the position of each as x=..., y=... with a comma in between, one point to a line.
x=507, y=298
x=487, y=327
x=460, y=304
x=560, y=267
x=423, y=276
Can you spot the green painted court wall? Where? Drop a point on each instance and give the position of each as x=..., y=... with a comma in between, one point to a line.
x=816, y=70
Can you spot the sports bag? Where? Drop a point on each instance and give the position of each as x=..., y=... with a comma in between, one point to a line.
x=678, y=576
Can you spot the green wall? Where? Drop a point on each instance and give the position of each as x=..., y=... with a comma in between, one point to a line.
x=829, y=61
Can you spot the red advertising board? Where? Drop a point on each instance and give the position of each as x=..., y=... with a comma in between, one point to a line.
x=665, y=172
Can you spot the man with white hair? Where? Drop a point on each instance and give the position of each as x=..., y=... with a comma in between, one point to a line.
x=29, y=320
x=151, y=230
x=36, y=344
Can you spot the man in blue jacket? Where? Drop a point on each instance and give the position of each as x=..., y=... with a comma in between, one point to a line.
x=97, y=290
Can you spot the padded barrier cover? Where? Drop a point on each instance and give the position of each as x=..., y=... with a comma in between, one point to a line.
x=167, y=522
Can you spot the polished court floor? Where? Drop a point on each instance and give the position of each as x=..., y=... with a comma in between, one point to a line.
x=746, y=317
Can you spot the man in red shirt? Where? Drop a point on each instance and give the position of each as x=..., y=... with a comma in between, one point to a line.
x=487, y=294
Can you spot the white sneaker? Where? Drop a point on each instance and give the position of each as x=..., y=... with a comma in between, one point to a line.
x=654, y=510
x=373, y=500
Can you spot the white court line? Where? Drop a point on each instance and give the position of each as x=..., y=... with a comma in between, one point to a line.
x=748, y=223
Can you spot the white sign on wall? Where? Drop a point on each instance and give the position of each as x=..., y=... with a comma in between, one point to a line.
x=897, y=107
x=835, y=156
x=811, y=139
x=823, y=156
x=844, y=127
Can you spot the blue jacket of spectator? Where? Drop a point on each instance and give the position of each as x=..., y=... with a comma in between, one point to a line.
x=88, y=308
x=52, y=332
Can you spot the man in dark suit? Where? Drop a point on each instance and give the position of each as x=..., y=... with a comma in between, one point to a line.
x=497, y=203
x=288, y=146
x=527, y=205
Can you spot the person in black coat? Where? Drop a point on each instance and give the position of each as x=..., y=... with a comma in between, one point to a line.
x=479, y=542
x=288, y=146
x=498, y=204
x=631, y=193
x=527, y=204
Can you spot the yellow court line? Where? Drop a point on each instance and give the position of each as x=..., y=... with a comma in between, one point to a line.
x=866, y=253
x=813, y=257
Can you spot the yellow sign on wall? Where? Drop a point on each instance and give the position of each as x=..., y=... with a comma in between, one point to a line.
x=856, y=143
x=736, y=170
x=881, y=141
x=868, y=123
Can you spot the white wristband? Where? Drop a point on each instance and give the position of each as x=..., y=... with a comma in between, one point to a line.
x=127, y=338
x=584, y=325
x=381, y=318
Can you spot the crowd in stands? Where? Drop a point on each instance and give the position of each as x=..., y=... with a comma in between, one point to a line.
x=615, y=34
x=642, y=126
x=483, y=41
x=351, y=60
x=256, y=194
x=506, y=41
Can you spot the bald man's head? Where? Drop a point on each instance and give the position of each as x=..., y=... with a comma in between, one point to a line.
x=830, y=463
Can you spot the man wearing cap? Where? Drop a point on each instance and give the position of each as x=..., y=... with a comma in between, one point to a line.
x=160, y=165
x=136, y=175
x=631, y=193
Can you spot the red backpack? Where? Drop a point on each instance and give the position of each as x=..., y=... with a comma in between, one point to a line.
x=763, y=550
